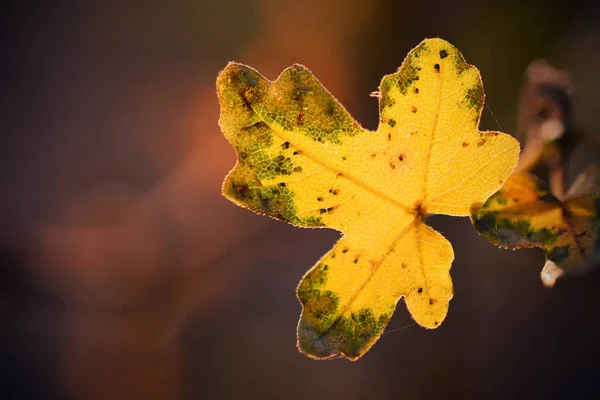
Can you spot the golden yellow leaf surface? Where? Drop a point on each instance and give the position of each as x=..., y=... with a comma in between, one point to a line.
x=525, y=214
x=303, y=159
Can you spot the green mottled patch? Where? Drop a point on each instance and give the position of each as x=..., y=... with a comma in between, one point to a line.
x=313, y=221
x=419, y=50
x=295, y=102
x=251, y=145
x=474, y=97
x=485, y=223
x=252, y=138
x=268, y=168
x=512, y=233
x=277, y=201
x=507, y=232
x=240, y=87
x=459, y=62
x=350, y=336
x=315, y=278
x=543, y=236
x=322, y=332
x=298, y=102
x=407, y=75
x=405, y=78
x=385, y=100
x=320, y=307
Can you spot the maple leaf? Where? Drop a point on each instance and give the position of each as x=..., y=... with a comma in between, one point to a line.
x=525, y=214
x=303, y=159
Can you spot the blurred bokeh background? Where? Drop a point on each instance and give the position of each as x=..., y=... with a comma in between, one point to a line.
x=125, y=275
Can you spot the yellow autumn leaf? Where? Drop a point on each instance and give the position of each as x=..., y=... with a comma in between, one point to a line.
x=525, y=214
x=303, y=159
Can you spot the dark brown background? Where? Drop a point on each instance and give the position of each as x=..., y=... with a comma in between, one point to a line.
x=125, y=275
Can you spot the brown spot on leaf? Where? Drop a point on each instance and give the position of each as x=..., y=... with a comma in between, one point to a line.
x=392, y=165
x=401, y=157
x=332, y=209
x=481, y=142
x=414, y=109
x=465, y=144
